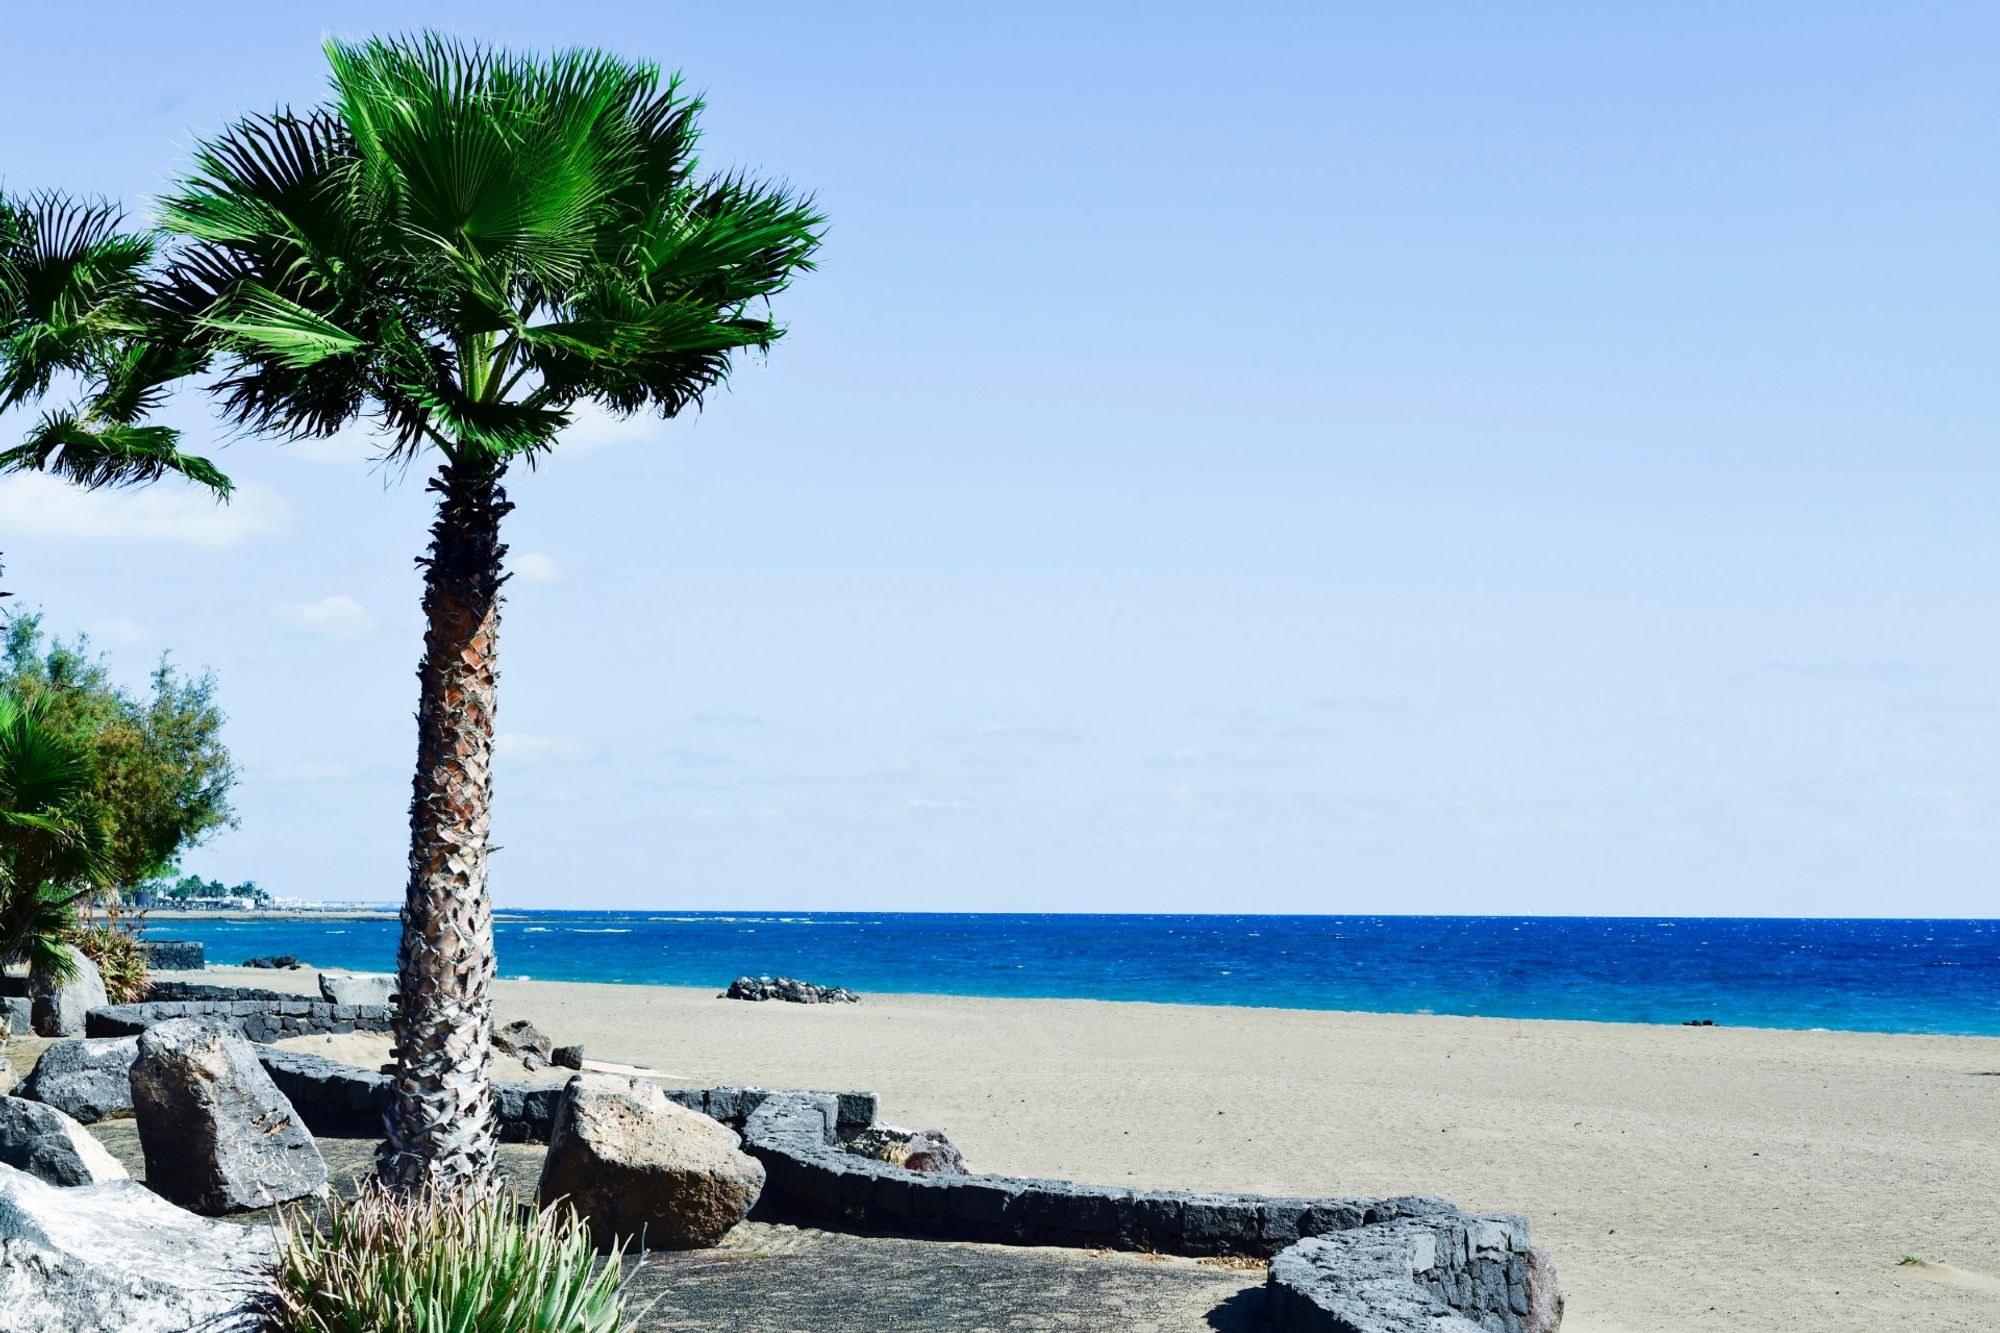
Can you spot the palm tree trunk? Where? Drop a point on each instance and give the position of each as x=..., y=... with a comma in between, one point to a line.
x=440, y=1123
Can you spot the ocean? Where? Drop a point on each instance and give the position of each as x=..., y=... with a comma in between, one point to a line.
x=1884, y=976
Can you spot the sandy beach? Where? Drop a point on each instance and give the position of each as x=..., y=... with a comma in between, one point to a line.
x=1685, y=1178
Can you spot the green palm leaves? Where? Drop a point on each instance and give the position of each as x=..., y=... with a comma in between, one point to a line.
x=51, y=851
x=466, y=243
x=74, y=305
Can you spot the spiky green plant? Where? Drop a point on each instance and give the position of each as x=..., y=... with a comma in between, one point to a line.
x=441, y=1259
x=52, y=853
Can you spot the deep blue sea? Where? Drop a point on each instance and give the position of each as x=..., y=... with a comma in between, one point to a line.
x=1888, y=976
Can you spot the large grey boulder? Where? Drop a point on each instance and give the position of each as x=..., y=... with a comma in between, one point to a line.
x=58, y=1010
x=117, y=1258
x=357, y=987
x=1444, y=1273
x=640, y=1168
x=86, y=1079
x=16, y=1016
x=51, y=1147
x=218, y=1135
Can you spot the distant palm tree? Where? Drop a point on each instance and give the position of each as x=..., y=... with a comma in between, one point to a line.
x=464, y=245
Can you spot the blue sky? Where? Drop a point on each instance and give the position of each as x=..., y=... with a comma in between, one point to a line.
x=1252, y=458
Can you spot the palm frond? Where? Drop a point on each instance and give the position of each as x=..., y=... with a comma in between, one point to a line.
x=260, y=323
x=109, y=455
x=69, y=281
x=502, y=430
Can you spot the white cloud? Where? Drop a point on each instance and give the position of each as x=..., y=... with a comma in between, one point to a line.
x=534, y=567
x=119, y=632
x=528, y=749
x=336, y=617
x=33, y=504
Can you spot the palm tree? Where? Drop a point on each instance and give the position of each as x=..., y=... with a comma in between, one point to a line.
x=463, y=245
x=51, y=853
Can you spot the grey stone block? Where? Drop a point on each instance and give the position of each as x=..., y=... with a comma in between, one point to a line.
x=1156, y=1220
x=855, y=1110
x=1220, y=1224
x=985, y=1201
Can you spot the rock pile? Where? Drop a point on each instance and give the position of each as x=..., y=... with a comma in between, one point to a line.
x=281, y=962
x=787, y=988
x=526, y=1042
x=925, y=1150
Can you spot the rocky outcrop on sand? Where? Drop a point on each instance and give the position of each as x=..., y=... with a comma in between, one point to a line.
x=925, y=1150
x=58, y=1009
x=524, y=1041
x=86, y=1078
x=117, y=1258
x=357, y=987
x=640, y=1168
x=218, y=1135
x=51, y=1147
x=787, y=988
x=278, y=962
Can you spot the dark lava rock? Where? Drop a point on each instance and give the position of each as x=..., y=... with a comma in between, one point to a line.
x=51, y=1147
x=523, y=1039
x=787, y=988
x=275, y=961
x=218, y=1135
x=567, y=1057
x=86, y=1078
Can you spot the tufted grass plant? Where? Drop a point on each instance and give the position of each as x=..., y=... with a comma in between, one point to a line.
x=441, y=1260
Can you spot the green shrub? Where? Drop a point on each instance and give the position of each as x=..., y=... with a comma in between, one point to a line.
x=115, y=945
x=442, y=1261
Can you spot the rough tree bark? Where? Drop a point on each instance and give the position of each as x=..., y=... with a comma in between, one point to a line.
x=441, y=1125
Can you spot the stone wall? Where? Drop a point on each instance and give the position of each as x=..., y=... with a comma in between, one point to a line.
x=175, y=955
x=809, y=1175
x=259, y=1020
x=346, y=1102
x=201, y=990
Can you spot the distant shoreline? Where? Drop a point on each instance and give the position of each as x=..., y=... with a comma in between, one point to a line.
x=270, y=914
x=291, y=914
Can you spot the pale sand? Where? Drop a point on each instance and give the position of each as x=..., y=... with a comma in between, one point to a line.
x=1684, y=1178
